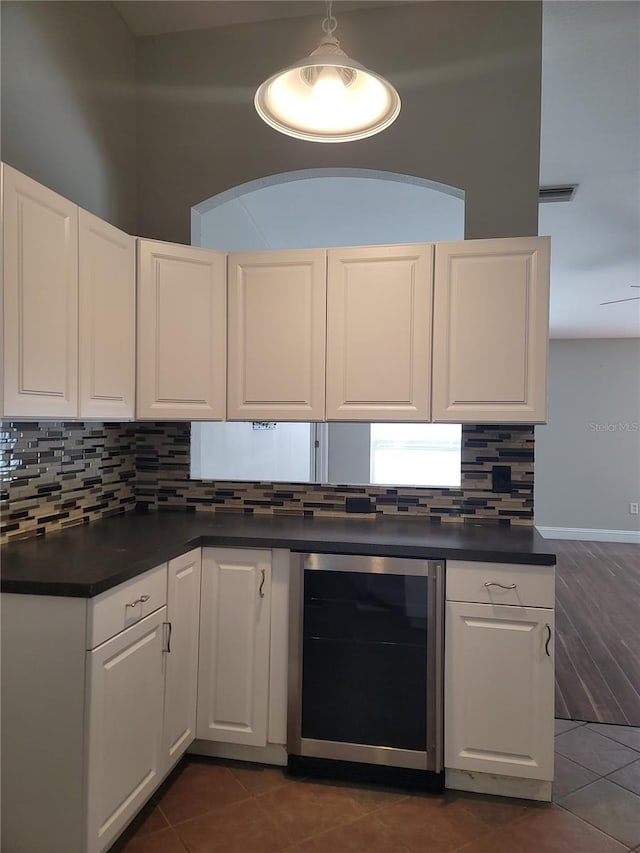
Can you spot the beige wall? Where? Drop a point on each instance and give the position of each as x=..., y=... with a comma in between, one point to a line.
x=469, y=78
x=68, y=103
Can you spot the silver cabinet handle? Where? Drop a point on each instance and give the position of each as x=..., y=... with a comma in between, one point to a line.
x=169, y=628
x=261, y=590
x=140, y=600
x=501, y=585
x=546, y=645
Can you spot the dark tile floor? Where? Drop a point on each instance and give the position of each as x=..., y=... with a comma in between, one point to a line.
x=209, y=806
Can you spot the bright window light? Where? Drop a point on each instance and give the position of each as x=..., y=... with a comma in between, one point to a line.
x=416, y=454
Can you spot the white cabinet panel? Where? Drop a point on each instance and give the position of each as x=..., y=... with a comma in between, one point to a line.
x=107, y=294
x=490, y=330
x=181, y=332
x=181, y=655
x=40, y=232
x=379, y=333
x=277, y=307
x=233, y=680
x=501, y=583
x=125, y=681
x=499, y=687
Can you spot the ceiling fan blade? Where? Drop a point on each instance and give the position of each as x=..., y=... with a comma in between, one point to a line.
x=613, y=301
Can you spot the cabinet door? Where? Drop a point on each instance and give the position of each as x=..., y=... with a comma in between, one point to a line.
x=182, y=322
x=40, y=232
x=277, y=308
x=499, y=685
x=491, y=326
x=125, y=681
x=233, y=677
x=181, y=655
x=379, y=333
x=107, y=300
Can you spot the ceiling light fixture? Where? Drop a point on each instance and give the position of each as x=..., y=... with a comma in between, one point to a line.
x=327, y=96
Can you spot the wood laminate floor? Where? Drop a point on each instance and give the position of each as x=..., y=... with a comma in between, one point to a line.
x=598, y=631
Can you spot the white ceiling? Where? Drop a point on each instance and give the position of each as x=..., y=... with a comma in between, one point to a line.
x=590, y=137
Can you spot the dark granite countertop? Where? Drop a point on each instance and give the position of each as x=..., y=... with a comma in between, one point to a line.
x=86, y=560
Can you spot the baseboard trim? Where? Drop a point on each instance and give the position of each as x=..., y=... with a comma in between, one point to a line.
x=589, y=534
x=272, y=753
x=504, y=786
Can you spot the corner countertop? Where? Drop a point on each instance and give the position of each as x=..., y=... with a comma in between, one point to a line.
x=86, y=560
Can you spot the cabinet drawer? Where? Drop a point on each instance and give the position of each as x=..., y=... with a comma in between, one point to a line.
x=500, y=583
x=124, y=605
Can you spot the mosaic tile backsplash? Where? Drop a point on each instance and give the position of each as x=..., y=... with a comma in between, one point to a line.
x=58, y=474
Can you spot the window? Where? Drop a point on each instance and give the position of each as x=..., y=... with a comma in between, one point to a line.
x=416, y=454
x=339, y=453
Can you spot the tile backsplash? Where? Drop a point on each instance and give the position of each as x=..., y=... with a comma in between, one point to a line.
x=59, y=474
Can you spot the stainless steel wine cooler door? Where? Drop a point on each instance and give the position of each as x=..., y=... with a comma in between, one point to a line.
x=366, y=660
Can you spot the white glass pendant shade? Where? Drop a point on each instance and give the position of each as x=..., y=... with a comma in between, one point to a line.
x=327, y=97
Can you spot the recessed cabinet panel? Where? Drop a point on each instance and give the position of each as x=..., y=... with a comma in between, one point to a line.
x=125, y=681
x=181, y=654
x=233, y=677
x=379, y=333
x=499, y=678
x=107, y=277
x=490, y=330
x=277, y=305
x=181, y=332
x=40, y=230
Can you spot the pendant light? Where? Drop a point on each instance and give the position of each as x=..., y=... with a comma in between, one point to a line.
x=327, y=96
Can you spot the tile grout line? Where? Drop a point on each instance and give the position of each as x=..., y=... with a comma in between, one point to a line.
x=588, y=822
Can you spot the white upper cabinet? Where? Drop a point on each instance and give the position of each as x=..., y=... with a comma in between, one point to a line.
x=491, y=319
x=107, y=276
x=181, y=332
x=379, y=333
x=277, y=319
x=40, y=233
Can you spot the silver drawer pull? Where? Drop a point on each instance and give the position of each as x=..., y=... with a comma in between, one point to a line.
x=501, y=585
x=140, y=600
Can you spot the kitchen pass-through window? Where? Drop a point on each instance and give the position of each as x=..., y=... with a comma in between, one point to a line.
x=411, y=454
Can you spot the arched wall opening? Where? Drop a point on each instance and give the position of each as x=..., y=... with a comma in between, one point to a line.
x=322, y=208
x=329, y=207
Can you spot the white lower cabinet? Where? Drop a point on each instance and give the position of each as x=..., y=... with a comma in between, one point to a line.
x=499, y=678
x=235, y=615
x=181, y=657
x=98, y=704
x=125, y=686
x=499, y=689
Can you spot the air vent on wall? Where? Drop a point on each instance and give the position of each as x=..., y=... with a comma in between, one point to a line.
x=564, y=192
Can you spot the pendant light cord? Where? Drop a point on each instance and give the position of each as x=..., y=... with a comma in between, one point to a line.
x=330, y=24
